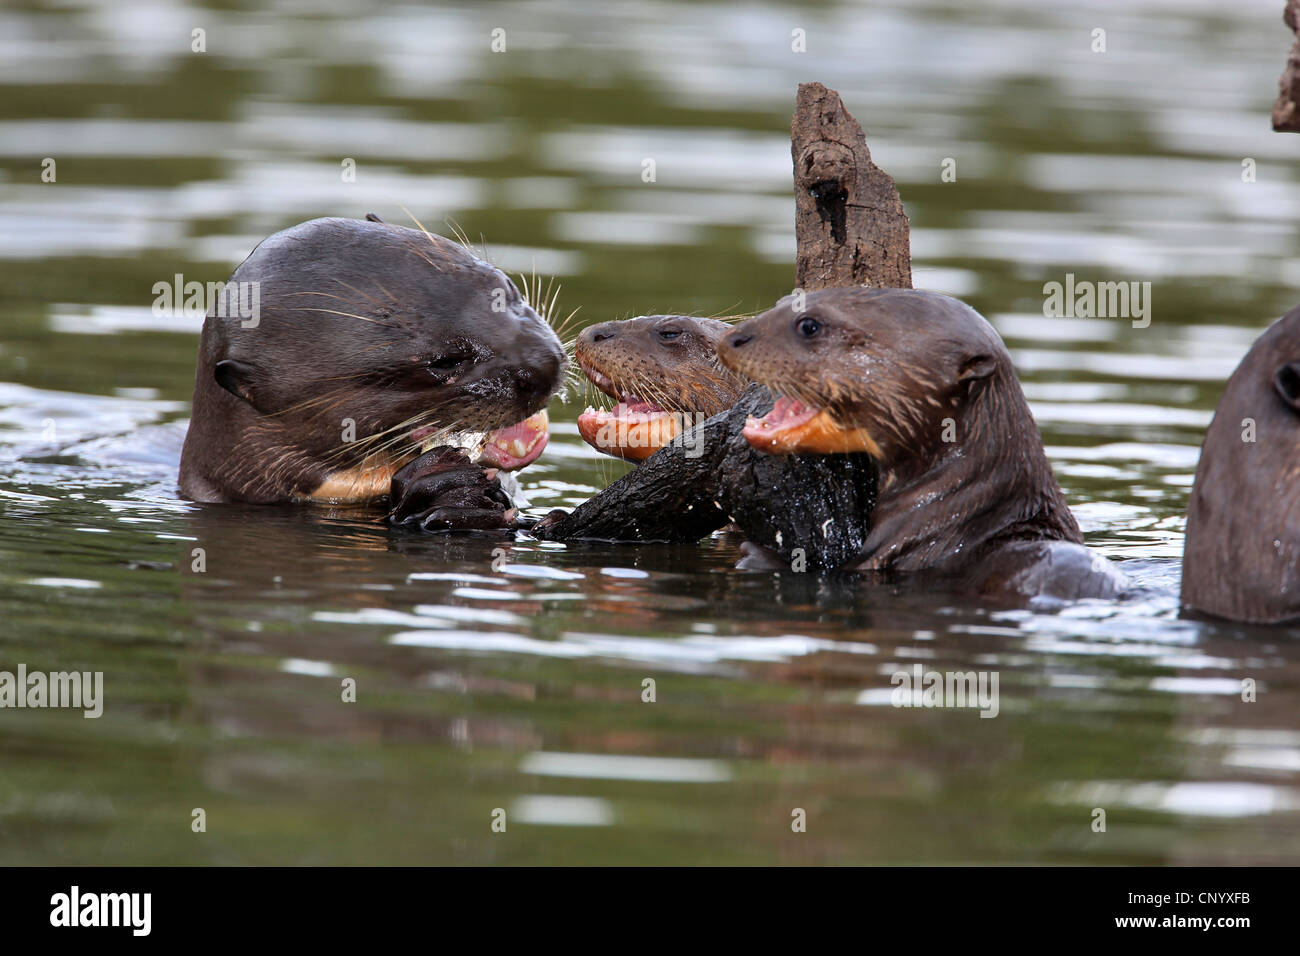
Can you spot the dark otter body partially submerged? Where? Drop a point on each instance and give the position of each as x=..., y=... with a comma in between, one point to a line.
x=662, y=371
x=1241, y=559
x=923, y=384
x=370, y=340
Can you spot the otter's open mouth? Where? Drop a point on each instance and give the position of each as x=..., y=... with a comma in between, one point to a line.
x=633, y=429
x=792, y=426
x=509, y=448
x=518, y=445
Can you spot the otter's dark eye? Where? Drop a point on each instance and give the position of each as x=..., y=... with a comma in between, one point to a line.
x=807, y=327
x=445, y=363
x=669, y=334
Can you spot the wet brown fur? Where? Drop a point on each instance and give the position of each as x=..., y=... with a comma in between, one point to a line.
x=909, y=367
x=668, y=360
x=1241, y=559
x=355, y=318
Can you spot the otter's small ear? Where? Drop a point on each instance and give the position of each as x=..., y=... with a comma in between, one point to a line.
x=1286, y=380
x=977, y=367
x=236, y=378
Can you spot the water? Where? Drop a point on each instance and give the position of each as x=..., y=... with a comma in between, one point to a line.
x=521, y=689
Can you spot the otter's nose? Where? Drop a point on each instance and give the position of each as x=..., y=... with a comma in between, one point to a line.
x=533, y=383
x=736, y=339
x=598, y=333
x=536, y=382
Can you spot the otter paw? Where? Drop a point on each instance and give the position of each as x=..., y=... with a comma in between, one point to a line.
x=443, y=490
x=550, y=520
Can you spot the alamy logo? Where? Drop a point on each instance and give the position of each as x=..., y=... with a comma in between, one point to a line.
x=75, y=908
x=1098, y=300
x=83, y=690
x=922, y=688
x=224, y=300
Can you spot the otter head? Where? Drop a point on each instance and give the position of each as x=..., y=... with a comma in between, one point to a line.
x=1241, y=559
x=892, y=372
x=922, y=383
x=369, y=338
x=662, y=372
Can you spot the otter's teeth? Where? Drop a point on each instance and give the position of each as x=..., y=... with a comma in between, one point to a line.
x=518, y=449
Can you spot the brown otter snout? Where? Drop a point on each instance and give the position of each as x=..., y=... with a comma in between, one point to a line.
x=856, y=369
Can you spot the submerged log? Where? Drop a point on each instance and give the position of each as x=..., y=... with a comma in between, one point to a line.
x=672, y=496
x=812, y=511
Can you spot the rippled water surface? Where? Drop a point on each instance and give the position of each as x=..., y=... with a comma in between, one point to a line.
x=520, y=687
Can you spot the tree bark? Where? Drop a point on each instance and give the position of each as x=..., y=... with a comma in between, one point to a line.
x=671, y=496
x=849, y=219
x=810, y=510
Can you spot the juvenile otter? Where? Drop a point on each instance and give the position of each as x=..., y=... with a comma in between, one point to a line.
x=371, y=340
x=662, y=371
x=1241, y=559
x=924, y=385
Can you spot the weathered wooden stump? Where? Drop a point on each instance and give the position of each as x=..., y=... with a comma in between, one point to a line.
x=848, y=218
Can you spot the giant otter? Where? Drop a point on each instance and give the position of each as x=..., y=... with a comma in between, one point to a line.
x=664, y=375
x=372, y=341
x=923, y=384
x=1241, y=559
